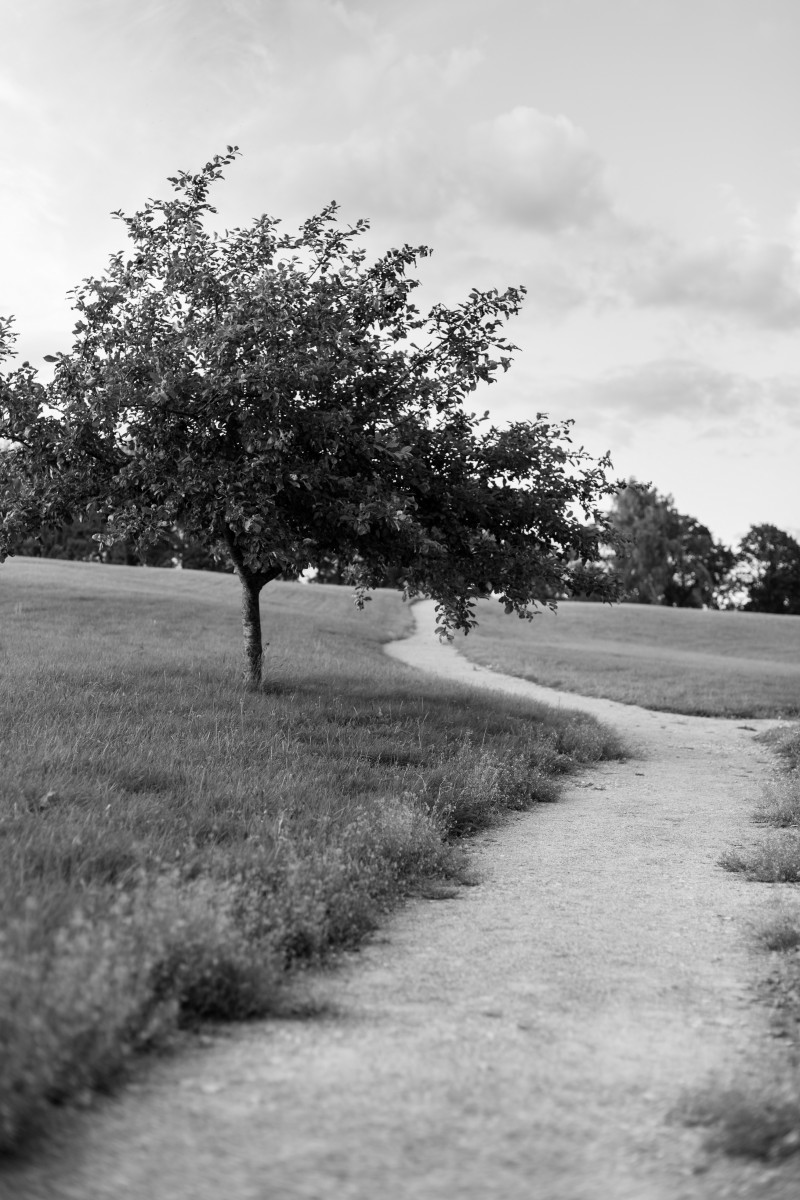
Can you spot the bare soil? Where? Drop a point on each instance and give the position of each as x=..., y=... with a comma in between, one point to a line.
x=533, y=1037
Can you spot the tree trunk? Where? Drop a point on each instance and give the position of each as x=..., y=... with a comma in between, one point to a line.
x=251, y=629
x=252, y=582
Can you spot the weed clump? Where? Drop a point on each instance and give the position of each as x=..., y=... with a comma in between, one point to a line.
x=781, y=931
x=785, y=741
x=780, y=804
x=775, y=859
x=747, y=1126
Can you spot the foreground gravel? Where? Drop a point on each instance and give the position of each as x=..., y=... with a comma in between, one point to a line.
x=532, y=1038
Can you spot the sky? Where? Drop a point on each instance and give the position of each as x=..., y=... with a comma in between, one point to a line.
x=634, y=163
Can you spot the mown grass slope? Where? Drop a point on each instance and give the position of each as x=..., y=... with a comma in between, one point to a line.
x=171, y=844
x=728, y=664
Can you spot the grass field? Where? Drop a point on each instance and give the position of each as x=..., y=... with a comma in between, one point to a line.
x=171, y=844
x=729, y=664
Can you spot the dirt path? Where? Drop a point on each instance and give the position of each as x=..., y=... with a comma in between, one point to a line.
x=526, y=1040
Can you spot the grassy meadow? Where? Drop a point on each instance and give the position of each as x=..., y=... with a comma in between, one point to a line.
x=172, y=845
x=706, y=663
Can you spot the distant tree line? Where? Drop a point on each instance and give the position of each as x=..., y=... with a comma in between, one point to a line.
x=78, y=540
x=671, y=559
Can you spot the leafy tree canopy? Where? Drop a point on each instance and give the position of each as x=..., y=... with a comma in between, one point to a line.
x=770, y=570
x=669, y=557
x=281, y=399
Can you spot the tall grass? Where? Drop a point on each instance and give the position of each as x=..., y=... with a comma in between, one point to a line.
x=785, y=741
x=776, y=857
x=172, y=845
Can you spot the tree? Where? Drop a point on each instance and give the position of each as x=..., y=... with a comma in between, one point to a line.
x=669, y=558
x=285, y=402
x=770, y=570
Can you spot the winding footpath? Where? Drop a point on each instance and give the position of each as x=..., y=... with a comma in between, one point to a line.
x=527, y=1039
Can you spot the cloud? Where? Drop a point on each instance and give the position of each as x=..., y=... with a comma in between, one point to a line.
x=459, y=64
x=794, y=236
x=675, y=387
x=12, y=96
x=371, y=173
x=31, y=239
x=756, y=280
x=785, y=393
x=711, y=400
x=536, y=170
x=523, y=170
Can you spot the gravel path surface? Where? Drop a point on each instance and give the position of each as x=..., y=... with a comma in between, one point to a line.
x=525, y=1040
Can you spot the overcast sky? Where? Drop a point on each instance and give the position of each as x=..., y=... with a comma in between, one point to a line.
x=635, y=163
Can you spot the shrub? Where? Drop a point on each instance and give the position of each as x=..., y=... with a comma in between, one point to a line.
x=781, y=931
x=776, y=859
x=748, y=1126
